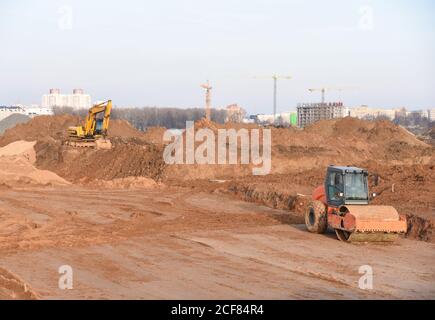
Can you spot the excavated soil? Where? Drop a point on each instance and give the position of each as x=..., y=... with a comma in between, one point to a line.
x=124, y=160
x=132, y=154
x=344, y=141
x=54, y=128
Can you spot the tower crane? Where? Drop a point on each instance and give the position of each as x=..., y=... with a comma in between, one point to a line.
x=275, y=89
x=324, y=89
x=207, y=88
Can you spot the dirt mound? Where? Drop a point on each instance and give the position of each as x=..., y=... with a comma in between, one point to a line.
x=132, y=155
x=337, y=132
x=346, y=141
x=123, y=160
x=272, y=196
x=420, y=228
x=154, y=135
x=409, y=188
x=12, y=121
x=204, y=123
x=54, y=128
x=123, y=129
x=40, y=128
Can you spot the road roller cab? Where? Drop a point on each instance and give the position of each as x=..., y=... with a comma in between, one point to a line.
x=346, y=185
x=342, y=203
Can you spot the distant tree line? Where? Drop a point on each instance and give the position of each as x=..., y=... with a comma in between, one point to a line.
x=142, y=118
x=412, y=119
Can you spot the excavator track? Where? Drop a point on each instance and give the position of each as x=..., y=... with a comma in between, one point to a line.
x=99, y=144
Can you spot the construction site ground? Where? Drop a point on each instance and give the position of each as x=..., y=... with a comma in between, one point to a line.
x=132, y=227
x=173, y=243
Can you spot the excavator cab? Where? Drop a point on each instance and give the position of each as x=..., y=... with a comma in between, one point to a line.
x=99, y=127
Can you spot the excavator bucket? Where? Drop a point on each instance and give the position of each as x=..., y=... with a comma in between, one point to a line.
x=367, y=223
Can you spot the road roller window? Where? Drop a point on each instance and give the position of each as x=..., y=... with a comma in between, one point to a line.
x=335, y=186
x=356, y=186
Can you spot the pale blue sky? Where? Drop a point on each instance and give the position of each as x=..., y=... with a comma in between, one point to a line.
x=159, y=52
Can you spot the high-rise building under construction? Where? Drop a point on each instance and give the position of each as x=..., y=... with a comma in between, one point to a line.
x=309, y=113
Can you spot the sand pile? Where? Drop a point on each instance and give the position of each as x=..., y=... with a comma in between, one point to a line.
x=16, y=166
x=20, y=149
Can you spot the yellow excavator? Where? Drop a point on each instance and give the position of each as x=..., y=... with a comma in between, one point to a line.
x=93, y=134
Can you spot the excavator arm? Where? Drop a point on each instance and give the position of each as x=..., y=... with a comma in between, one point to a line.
x=90, y=126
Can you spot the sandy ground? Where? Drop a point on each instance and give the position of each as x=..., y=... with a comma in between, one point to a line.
x=175, y=243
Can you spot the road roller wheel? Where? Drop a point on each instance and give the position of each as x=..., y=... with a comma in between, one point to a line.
x=315, y=217
x=356, y=237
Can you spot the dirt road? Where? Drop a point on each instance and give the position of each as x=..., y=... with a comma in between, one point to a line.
x=174, y=243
